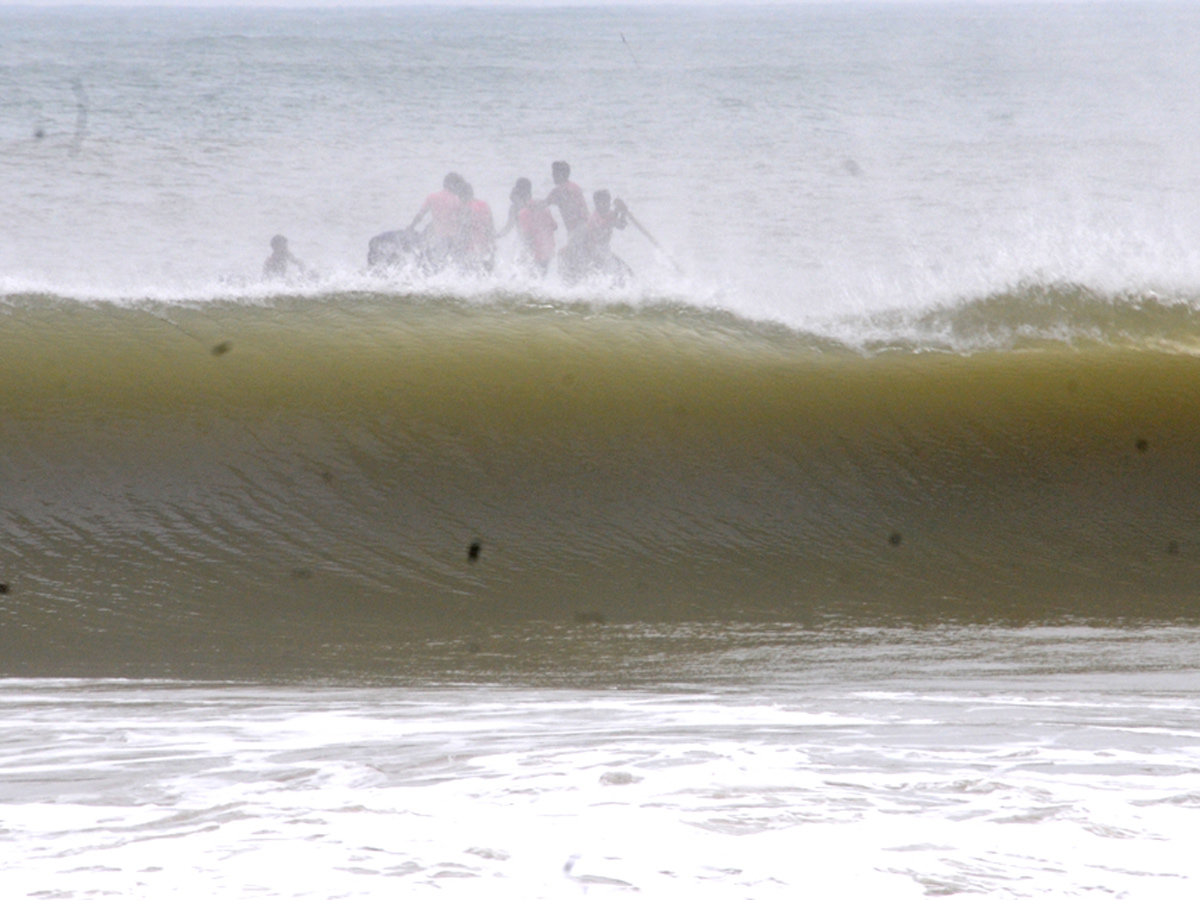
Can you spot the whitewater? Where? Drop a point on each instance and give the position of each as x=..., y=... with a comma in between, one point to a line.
x=850, y=548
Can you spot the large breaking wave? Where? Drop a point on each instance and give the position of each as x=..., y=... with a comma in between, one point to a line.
x=231, y=485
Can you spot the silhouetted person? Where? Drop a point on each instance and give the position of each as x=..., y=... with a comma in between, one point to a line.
x=568, y=197
x=608, y=215
x=281, y=264
x=572, y=206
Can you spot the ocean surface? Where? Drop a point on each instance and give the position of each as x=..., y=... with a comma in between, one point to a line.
x=849, y=548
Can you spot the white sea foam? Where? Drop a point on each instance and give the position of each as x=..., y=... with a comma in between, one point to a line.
x=1032, y=783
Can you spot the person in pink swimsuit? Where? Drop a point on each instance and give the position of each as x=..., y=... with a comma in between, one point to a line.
x=534, y=224
x=445, y=210
x=478, y=237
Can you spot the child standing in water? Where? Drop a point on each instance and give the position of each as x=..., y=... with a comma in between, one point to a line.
x=281, y=264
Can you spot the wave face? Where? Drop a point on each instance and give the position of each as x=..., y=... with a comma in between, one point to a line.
x=253, y=485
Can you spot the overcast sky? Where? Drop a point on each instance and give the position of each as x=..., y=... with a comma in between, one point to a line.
x=453, y=3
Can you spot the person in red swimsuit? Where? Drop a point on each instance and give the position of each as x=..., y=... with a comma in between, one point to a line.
x=478, y=237
x=445, y=211
x=534, y=224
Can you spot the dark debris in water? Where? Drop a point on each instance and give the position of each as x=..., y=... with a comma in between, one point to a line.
x=895, y=538
x=474, y=550
x=3, y=588
x=619, y=778
x=222, y=348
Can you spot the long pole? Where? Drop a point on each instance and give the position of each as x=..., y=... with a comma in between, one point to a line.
x=653, y=240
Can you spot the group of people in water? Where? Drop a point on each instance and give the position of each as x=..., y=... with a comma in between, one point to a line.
x=461, y=233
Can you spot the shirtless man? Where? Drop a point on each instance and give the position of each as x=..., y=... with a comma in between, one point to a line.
x=568, y=197
x=609, y=215
x=572, y=206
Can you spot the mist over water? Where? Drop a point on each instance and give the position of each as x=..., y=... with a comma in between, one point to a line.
x=850, y=550
x=797, y=162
